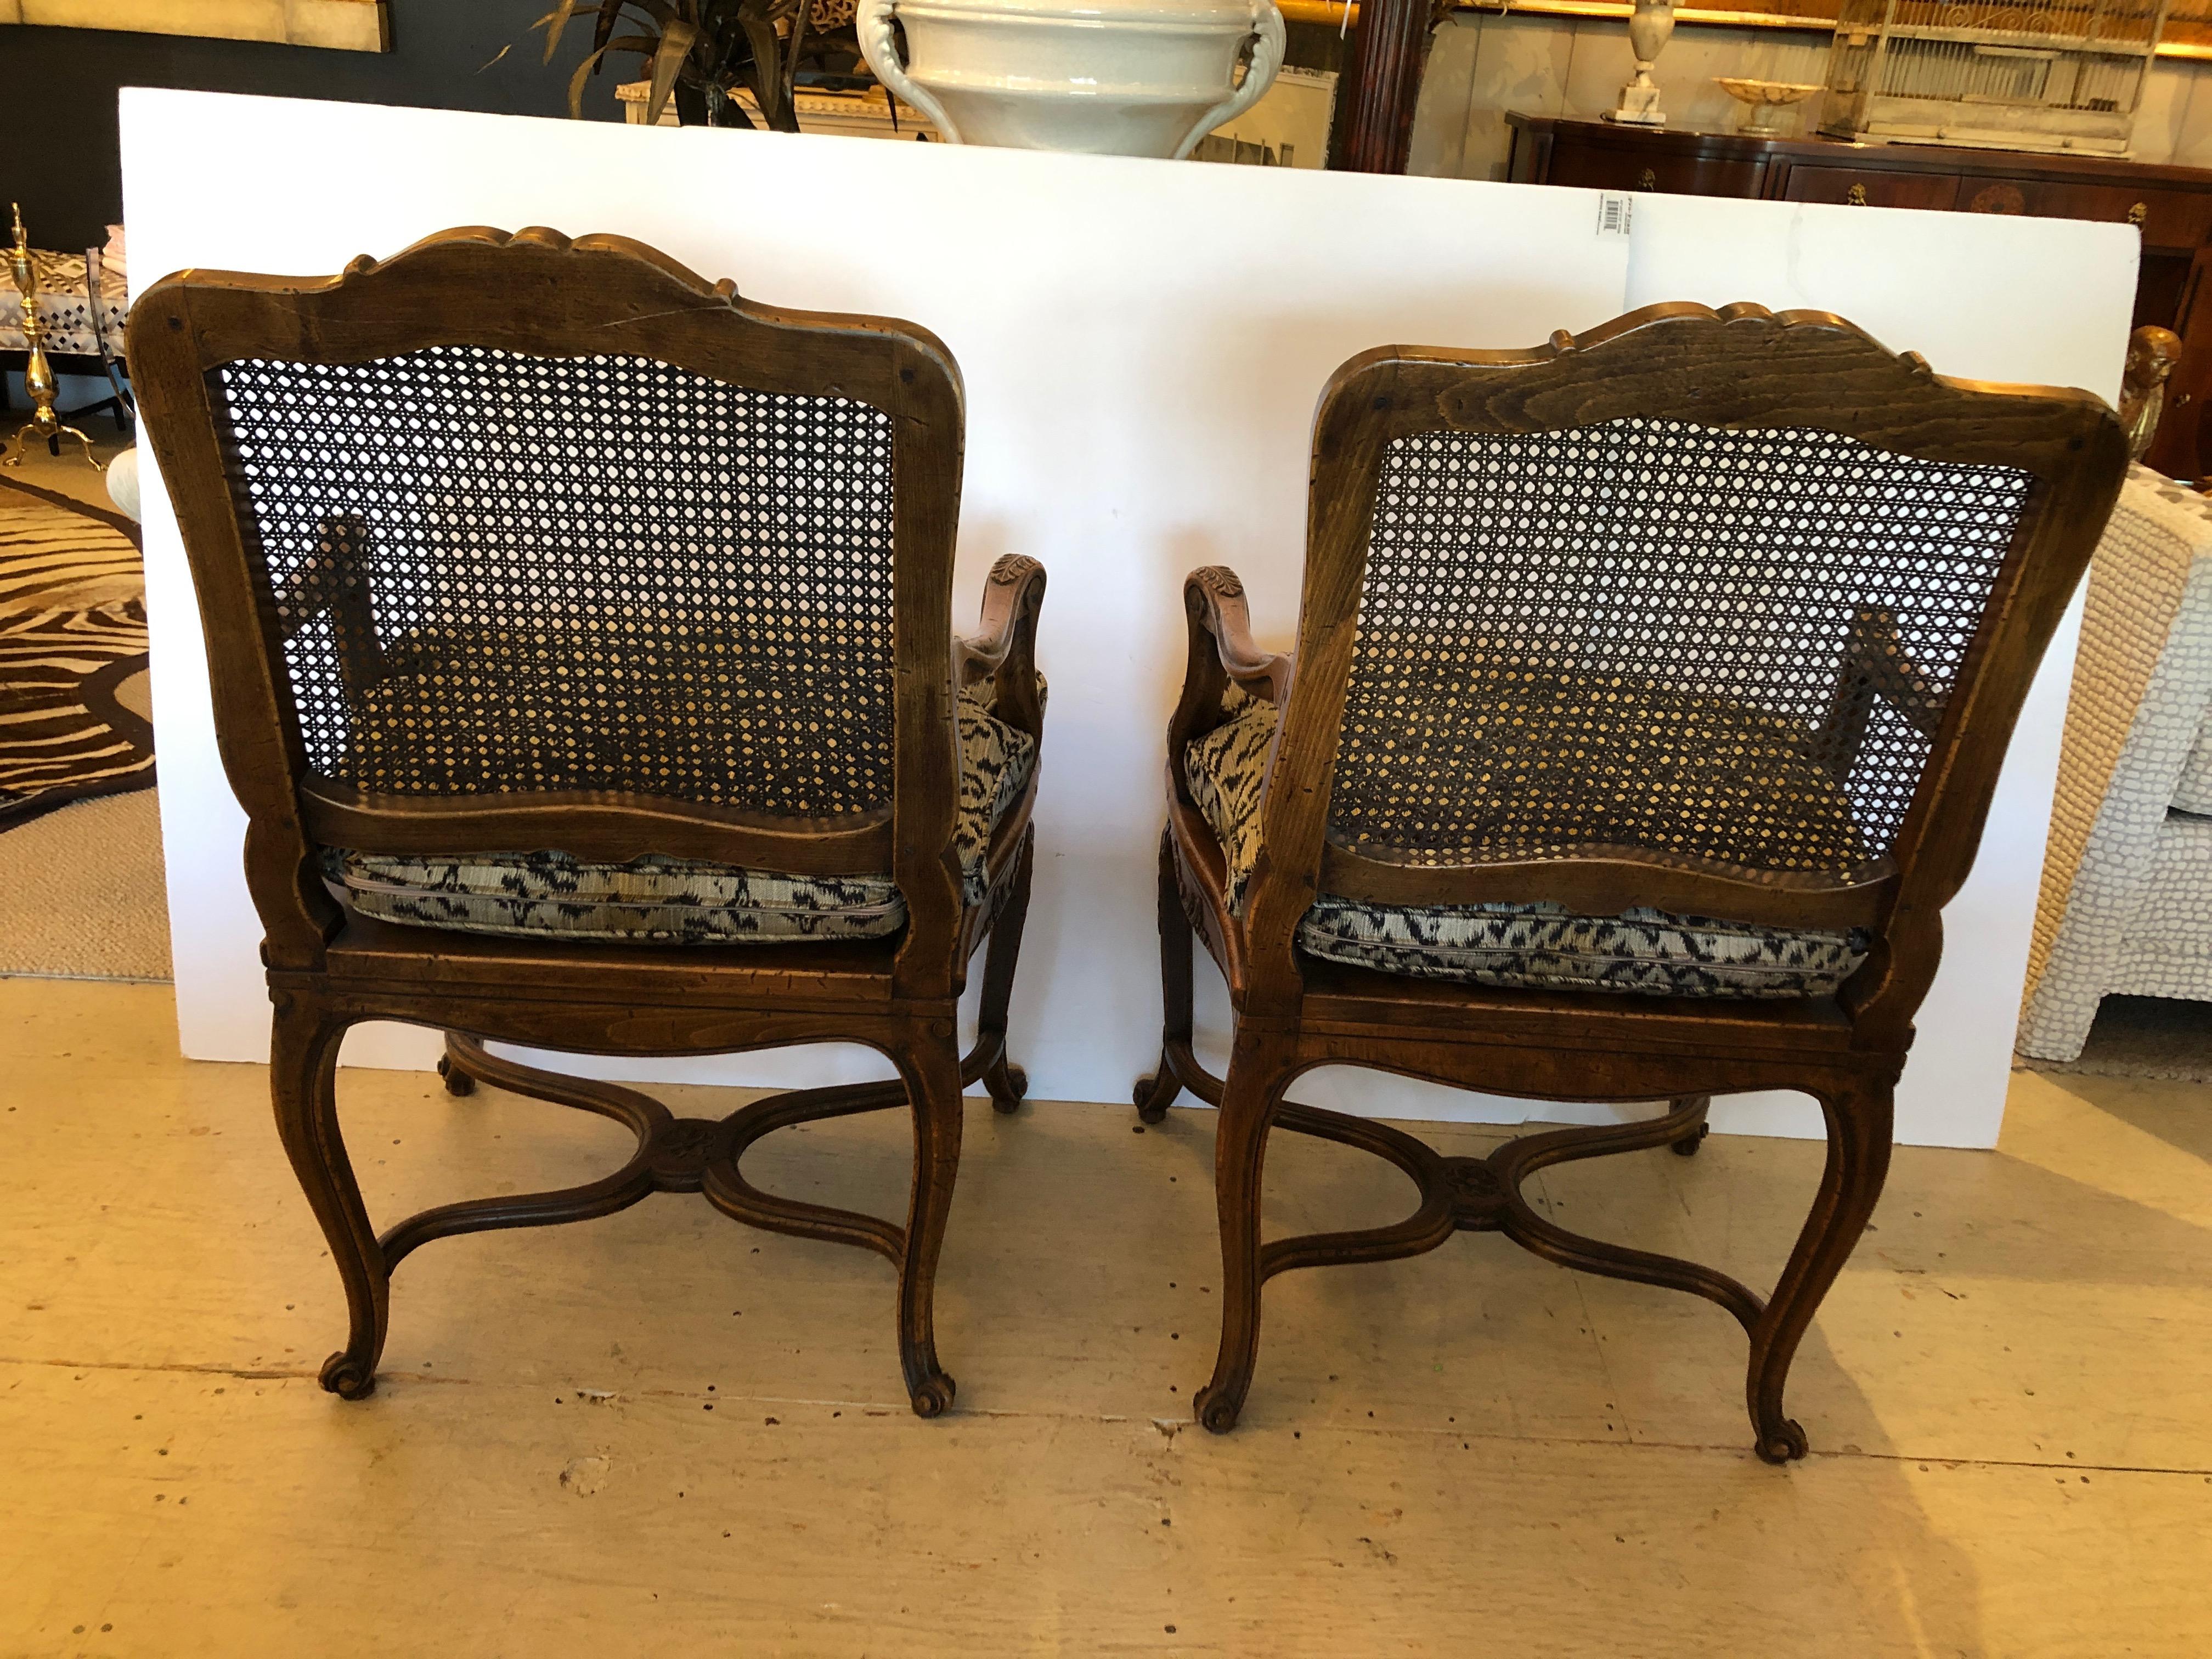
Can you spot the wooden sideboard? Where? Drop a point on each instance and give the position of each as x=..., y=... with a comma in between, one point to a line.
x=2173, y=205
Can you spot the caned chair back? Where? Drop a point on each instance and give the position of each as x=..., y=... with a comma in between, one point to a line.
x=1728, y=614
x=694, y=579
x=517, y=543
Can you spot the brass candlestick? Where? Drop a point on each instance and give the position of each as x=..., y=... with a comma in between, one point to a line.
x=38, y=383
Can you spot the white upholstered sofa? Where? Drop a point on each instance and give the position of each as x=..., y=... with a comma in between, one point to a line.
x=2126, y=906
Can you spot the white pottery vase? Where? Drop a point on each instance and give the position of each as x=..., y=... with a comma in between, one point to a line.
x=1105, y=77
x=1650, y=25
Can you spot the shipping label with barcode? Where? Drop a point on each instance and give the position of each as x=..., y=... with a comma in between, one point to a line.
x=1613, y=208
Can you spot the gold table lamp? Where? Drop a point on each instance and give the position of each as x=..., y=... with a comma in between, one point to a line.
x=38, y=382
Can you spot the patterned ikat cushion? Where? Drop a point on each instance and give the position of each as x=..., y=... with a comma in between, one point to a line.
x=1540, y=946
x=666, y=901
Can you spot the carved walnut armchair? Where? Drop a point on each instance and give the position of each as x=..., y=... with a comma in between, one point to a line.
x=582, y=648
x=1650, y=693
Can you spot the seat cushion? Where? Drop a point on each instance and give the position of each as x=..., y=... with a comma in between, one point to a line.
x=657, y=900
x=726, y=716
x=1536, y=946
x=1547, y=946
x=2194, y=793
x=2175, y=914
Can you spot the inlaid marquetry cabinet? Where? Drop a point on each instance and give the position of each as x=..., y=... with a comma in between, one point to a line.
x=2173, y=205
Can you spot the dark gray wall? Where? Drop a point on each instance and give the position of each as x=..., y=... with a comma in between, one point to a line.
x=58, y=91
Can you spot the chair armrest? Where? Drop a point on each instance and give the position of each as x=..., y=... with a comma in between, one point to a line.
x=1874, y=666
x=1221, y=654
x=1005, y=651
x=336, y=580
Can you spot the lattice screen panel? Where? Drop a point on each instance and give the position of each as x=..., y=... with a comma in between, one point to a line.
x=1631, y=634
x=521, y=574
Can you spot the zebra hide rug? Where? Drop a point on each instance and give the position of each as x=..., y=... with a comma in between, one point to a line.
x=72, y=635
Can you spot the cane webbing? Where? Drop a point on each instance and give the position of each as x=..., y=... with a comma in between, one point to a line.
x=511, y=575
x=1632, y=635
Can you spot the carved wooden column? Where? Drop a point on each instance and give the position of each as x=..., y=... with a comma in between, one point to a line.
x=1382, y=81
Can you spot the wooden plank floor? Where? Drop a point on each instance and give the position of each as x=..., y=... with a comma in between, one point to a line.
x=665, y=1433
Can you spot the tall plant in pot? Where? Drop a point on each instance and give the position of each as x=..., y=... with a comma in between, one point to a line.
x=701, y=52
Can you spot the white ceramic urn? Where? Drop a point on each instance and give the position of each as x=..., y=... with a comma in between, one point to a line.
x=1107, y=77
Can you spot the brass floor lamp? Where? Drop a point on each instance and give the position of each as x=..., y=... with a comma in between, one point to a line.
x=45, y=426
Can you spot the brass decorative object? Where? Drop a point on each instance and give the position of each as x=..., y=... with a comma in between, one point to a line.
x=1765, y=103
x=38, y=383
x=2152, y=354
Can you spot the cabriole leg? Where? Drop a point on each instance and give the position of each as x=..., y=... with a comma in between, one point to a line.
x=1005, y=1082
x=1248, y=1103
x=931, y=1074
x=1859, y=1126
x=1157, y=1089
x=302, y=1080
x=453, y=1070
x=1694, y=1137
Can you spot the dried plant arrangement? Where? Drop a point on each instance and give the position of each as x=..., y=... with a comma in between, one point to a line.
x=701, y=53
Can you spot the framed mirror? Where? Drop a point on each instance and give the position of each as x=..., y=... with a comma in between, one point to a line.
x=343, y=25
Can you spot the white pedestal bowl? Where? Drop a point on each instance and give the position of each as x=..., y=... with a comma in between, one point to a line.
x=1766, y=104
x=1105, y=77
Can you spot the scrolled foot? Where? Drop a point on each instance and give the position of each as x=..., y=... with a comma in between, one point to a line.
x=457, y=1082
x=347, y=1377
x=1009, y=1085
x=934, y=1397
x=1152, y=1095
x=1215, y=1411
x=1783, y=1446
x=1688, y=1145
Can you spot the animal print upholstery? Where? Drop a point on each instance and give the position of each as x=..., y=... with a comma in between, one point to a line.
x=657, y=900
x=1545, y=946
x=1538, y=945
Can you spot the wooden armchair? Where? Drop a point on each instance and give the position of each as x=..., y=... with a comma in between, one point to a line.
x=1650, y=693
x=553, y=548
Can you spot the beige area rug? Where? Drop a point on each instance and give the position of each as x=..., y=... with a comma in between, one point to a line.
x=81, y=885
x=2143, y=1036
x=82, y=894
x=72, y=637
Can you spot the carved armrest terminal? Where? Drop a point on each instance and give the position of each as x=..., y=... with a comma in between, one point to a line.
x=1005, y=651
x=1222, y=653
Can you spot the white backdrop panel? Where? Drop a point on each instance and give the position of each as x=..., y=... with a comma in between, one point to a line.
x=1142, y=344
